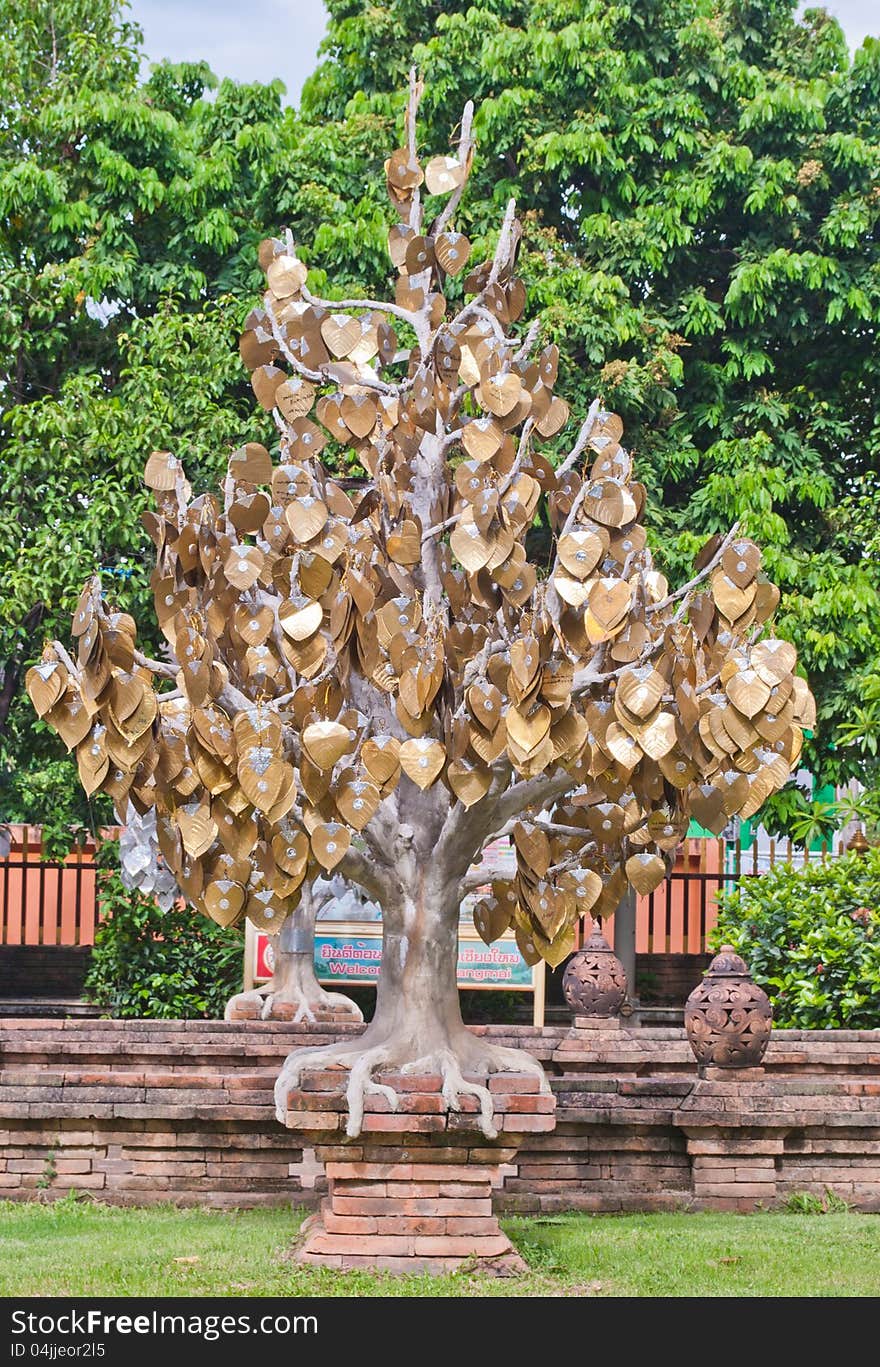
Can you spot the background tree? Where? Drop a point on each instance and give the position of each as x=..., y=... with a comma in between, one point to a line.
x=393, y=665
x=124, y=261
x=699, y=187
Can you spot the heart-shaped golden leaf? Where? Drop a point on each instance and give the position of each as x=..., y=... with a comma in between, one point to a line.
x=422, y=760
x=645, y=872
x=325, y=742
x=330, y=843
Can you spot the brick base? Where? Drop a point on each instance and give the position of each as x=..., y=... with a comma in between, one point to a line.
x=286, y=1011
x=602, y=1025
x=143, y=1111
x=413, y=1191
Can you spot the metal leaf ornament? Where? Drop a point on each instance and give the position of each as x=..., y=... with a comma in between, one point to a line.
x=344, y=663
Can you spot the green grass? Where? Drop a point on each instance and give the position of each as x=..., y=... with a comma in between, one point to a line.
x=78, y=1247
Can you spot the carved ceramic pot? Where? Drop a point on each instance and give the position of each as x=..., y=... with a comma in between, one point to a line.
x=728, y=1017
x=594, y=982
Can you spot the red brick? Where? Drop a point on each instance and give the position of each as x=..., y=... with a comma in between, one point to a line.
x=525, y=1124
x=364, y=1205
x=403, y=1124
x=514, y=1082
x=533, y=1104
x=374, y=1245
x=757, y=1190
x=483, y=1246
x=316, y=1101
x=411, y=1224
x=324, y=1080
x=349, y=1224
x=342, y=1171
x=313, y=1120
x=429, y=1084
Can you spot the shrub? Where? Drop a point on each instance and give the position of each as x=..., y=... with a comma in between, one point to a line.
x=811, y=937
x=172, y=965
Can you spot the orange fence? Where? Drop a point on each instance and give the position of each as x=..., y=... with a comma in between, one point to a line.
x=47, y=902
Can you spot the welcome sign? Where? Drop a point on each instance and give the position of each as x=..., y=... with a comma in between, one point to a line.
x=348, y=953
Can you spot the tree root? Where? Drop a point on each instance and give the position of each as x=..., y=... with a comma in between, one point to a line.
x=263, y=1000
x=498, y=1058
x=254, y=1001
x=324, y=1056
x=455, y=1086
x=324, y=1001
x=450, y=1062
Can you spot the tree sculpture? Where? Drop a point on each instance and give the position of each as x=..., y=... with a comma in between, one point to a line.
x=380, y=683
x=293, y=992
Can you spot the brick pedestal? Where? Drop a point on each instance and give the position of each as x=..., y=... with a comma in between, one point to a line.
x=734, y=1171
x=413, y=1191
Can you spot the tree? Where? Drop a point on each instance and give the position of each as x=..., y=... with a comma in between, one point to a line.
x=379, y=684
x=698, y=187
x=121, y=247
x=698, y=182
x=293, y=992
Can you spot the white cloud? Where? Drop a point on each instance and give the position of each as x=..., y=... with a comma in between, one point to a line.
x=857, y=18
x=253, y=40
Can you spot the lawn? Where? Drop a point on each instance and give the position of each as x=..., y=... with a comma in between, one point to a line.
x=78, y=1247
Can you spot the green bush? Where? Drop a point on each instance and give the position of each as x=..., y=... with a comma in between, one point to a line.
x=171, y=965
x=811, y=937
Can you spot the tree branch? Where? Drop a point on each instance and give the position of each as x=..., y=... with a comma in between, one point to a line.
x=13, y=667
x=465, y=148
x=532, y=792
x=373, y=305
x=698, y=578
x=356, y=867
x=577, y=450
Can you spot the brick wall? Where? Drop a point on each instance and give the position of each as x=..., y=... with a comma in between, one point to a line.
x=668, y=979
x=43, y=970
x=145, y=1111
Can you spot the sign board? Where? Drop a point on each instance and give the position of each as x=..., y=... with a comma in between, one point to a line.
x=351, y=952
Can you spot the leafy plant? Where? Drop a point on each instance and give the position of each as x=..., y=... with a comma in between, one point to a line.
x=809, y=1203
x=49, y=1173
x=170, y=965
x=812, y=940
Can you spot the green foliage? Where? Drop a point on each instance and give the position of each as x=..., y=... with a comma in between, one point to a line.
x=808, y=1203
x=130, y=212
x=811, y=938
x=49, y=1173
x=49, y=792
x=169, y=965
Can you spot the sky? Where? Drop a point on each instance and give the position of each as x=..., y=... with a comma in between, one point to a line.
x=254, y=40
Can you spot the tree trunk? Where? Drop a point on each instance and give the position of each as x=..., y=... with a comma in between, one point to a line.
x=293, y=993
x=417, y=1001
x=10, y=674
x=417, y=1026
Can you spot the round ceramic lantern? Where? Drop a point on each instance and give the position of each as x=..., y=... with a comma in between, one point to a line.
x=728, y=1017
x=594, y=982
